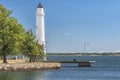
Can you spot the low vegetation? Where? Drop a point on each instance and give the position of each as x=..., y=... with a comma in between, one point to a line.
x=85, y=54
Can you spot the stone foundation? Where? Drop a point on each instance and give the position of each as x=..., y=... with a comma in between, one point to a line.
x=29, y=66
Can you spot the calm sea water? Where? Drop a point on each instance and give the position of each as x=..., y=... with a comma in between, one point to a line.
x=105, y=68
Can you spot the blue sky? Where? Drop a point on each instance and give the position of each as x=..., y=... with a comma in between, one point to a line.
x=70, y=24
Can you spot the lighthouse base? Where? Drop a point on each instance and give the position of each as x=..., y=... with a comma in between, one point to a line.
x=44, y=58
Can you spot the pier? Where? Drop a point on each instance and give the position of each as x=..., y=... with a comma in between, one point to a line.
x=80, y=63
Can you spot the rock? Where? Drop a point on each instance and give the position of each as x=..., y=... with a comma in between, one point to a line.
x=29, y=66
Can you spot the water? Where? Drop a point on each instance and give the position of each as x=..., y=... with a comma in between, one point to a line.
x=105, y=68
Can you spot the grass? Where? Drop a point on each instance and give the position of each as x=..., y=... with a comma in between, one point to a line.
x=14, y=61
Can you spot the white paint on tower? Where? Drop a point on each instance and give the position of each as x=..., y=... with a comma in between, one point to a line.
x=40, y=29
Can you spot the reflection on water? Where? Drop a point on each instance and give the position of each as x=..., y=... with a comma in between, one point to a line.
x=29, y=75
x=105, y=68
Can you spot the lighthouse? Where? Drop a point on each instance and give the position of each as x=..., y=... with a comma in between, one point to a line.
x=40, y=28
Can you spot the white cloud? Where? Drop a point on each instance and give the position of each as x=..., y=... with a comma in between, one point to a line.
x=66, y=34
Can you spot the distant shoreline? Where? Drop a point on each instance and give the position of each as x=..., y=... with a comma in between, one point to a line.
x=83, y=54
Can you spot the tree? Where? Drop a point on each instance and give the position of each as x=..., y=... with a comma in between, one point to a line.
x=11, y=34
x=31, y=48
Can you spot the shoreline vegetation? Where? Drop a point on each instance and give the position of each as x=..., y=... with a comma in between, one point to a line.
x=84, y=54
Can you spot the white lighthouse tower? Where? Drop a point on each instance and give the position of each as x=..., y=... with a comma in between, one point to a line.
x=40, y=29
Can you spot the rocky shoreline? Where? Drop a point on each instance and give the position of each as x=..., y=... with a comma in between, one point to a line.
x=29, y=66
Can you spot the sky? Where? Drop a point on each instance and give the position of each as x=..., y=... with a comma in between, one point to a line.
x=73, y=26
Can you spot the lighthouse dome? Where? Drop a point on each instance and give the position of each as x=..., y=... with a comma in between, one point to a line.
x=39, y=6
